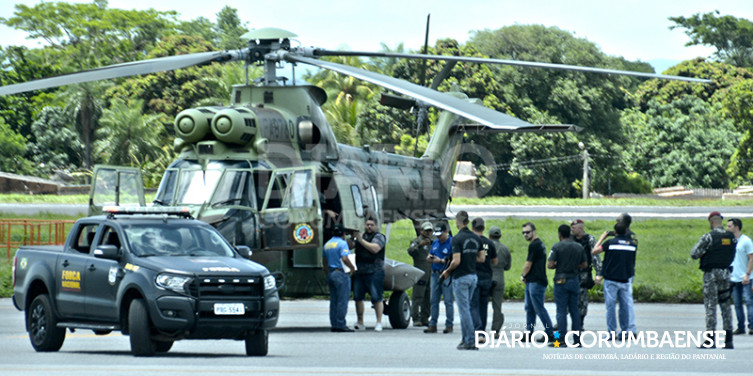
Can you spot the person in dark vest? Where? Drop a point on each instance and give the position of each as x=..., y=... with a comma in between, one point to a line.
x=617, y=272
x=587, y=241
x=480, y=299
x=419, y=249
x=370, y=271
x=716, y=250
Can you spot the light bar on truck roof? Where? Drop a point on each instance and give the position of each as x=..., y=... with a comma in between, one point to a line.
x=181, y=211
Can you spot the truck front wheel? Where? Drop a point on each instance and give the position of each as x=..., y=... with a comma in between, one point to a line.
x=140, y=329
x=257, y=343
x=42, y=323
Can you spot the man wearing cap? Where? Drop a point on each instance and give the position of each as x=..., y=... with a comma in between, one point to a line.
x=419, y=249
x=440, y=252
x=742, y=271
x=466, y=252
x=617, y=273
x=480, y=299
x=587, y=241
x=335, y=255
x=504, y=262
x=716, y=250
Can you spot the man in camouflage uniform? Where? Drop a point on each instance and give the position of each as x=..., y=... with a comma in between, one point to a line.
x=503, y=264
x=588, y=242
x=419, y=250
x=716, y=250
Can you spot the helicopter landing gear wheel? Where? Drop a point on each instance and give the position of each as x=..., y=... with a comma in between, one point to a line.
x=399, y=310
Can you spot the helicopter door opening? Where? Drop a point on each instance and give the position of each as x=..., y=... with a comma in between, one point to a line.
x=291, y=216
x=115, y=185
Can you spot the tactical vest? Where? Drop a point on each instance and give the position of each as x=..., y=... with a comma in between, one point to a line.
x=721, y=252
x=363, y=255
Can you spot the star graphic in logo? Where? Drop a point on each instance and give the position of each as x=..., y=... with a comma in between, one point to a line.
x=557, y=334
x=556, y=343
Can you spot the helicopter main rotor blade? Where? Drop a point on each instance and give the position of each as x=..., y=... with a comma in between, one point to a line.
x=519, y=63
x=125, y=70
x=494, y=120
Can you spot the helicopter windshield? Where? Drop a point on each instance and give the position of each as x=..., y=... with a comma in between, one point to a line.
x=186, y=183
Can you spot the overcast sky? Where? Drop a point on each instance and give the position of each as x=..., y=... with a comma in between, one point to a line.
x=634, y=29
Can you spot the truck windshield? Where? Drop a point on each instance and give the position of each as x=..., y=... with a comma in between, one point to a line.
x=165, y=239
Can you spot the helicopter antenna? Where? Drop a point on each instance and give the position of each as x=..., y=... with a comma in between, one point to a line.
x=422, y=108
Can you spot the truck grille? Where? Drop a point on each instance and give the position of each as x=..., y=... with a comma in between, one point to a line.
x=226, y=287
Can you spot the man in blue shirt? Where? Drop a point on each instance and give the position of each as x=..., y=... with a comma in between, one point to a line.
x=334, y=256
x=742, y=266
x=440, y=252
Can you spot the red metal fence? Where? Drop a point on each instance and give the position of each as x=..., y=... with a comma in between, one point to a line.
x=17, y=232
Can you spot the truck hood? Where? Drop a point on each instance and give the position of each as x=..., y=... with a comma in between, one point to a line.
x=225, y=266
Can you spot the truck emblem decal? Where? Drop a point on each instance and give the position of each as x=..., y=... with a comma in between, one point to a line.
x=303, y=233
x=71, y=280
x=112, y=276
x=23, y=263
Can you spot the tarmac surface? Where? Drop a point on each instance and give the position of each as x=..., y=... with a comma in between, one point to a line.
x=303, y=345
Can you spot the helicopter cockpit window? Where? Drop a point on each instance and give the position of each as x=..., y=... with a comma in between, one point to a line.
x=357, y=201
x=300, y=190
x=166, y=189
x=235, y=188
x=195, y=186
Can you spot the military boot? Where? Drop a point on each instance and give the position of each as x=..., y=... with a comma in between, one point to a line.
x=728, y=339
x=431, y=329
x=708, y=344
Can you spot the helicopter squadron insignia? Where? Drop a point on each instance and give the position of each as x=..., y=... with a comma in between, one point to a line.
x=303, y=233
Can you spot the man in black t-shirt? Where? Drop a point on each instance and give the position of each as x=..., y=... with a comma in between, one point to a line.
x=466, y=252
x=534, y=277
x=480, y=300
x=567, y=257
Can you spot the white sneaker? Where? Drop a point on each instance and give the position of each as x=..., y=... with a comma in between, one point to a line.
x=359, y=327
x=378, y=327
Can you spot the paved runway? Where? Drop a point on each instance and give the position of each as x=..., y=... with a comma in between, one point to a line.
x=303, y=345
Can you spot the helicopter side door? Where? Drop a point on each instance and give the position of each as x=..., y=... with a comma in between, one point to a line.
x=291, y=217
x=115, y=185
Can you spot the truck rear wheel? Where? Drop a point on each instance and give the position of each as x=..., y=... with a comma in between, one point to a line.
x=257, y=343
x=42, y=323
x=399, y=310
x=140, y=329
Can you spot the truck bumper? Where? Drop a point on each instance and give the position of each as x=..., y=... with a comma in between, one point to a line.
x=15, y=304
x=189, y=318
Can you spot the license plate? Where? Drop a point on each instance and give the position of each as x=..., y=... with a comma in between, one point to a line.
x=229, y=309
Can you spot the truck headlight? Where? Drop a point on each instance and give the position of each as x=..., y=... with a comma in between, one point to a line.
x=269, y=282
x=173, y=282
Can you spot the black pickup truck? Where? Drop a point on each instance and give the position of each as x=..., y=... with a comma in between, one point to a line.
x=155, y=274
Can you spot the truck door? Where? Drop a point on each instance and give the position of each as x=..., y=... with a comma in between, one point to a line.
x=115, y=185
x=291, y=216
x=102, y=278
x=70, y=272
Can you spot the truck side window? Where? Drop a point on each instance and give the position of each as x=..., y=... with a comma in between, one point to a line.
x=85, y=238
x=111, y=237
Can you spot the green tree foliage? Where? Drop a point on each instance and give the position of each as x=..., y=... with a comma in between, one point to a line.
x=731, y=36
x=128, y=136
x=12, y=150
x=229, y=29
x=91, y=34
x=684, y=142
x=84, y=104
x=58, y=146
x=738, y=105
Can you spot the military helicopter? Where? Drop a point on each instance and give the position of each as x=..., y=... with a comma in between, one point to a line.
x=268, y=172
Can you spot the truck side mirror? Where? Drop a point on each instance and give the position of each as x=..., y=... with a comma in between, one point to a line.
x=245, y=251
x=107, y=251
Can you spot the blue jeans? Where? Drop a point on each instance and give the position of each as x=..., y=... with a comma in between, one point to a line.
x=743, y=294
x=621, y=292
x=534, y=304
x=339, y=295
x=441, y=288
x=566, y=299
x=480, y=303
x=463, y=288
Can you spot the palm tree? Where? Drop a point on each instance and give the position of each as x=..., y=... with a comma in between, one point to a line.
x=84, y=104
x=127, y=135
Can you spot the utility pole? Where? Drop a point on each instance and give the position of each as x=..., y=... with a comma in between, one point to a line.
x=585, y=170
